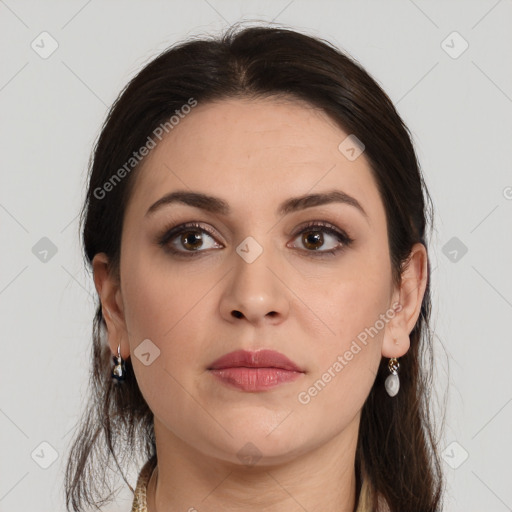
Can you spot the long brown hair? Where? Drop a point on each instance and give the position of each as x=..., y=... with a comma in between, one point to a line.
x=397, y=458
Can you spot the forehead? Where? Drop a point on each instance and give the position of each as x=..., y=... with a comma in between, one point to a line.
x=267, y=149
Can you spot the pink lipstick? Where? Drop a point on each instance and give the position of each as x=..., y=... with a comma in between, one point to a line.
x=255, y=371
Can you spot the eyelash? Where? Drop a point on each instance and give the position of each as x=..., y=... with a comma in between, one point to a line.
x=171, y=233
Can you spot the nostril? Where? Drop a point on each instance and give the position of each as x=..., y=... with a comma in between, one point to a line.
x=237, y=314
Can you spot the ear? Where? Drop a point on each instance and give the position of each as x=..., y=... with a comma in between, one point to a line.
x=109, y=290
x=407, y=298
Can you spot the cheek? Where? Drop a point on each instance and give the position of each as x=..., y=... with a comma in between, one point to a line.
x=156, y=313
x=350, y=301
x=161, y=317
x=347, y=356
x=159, y=297
x=346, y=362
x=335, y=397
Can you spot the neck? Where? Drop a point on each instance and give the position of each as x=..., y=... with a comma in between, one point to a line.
x=320, y=479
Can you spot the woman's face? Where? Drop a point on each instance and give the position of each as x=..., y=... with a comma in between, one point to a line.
x=256, y=275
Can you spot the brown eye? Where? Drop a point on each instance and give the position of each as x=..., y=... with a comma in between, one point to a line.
x=321, y=238
x=191, y=240
x=187, y=239
x=312, y=239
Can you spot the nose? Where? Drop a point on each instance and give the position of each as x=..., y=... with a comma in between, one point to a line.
x=255, y=292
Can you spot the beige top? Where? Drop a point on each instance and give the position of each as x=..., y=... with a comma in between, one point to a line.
x=140, y=503
x=139, y=498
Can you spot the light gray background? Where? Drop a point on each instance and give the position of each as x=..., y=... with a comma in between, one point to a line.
x=459, y=112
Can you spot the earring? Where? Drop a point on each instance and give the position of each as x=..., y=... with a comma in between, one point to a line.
x=392, y=383
x=119, y=371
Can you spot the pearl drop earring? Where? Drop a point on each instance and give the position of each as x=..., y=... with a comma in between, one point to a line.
x=392, y=383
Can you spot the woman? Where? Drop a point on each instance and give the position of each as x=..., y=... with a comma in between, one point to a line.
x=256, y=225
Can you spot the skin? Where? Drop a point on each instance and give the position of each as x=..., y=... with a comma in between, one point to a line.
x=255, y=154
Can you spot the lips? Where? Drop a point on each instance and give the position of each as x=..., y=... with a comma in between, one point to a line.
x=255, y=371
x=259, y=359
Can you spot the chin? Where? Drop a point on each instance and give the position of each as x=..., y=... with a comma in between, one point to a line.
x=253, y=446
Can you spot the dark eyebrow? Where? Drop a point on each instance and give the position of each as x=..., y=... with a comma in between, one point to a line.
x=309, y=200
x=216, y=205
x=203, y=201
